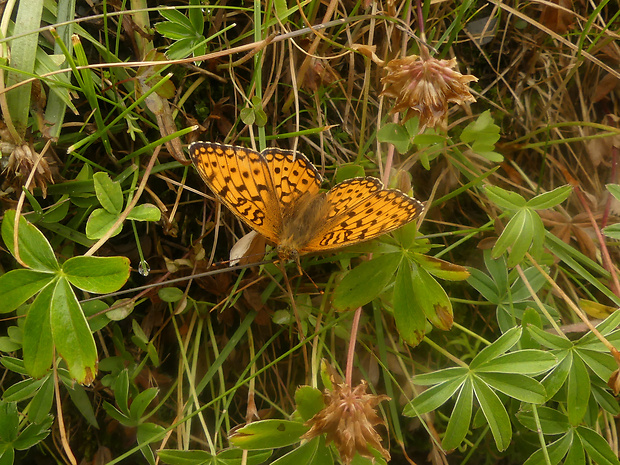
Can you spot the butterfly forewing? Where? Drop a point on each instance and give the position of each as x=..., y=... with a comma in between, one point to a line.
x=360, y=210
x=292, y=173
x=241, y=180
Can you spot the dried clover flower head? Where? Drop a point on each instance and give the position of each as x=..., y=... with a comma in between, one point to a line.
x=424, y=86
x=348, y=419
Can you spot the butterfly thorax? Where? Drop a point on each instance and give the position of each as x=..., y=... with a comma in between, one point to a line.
x=300, y=222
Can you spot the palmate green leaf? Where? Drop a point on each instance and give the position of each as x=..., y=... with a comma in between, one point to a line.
x=41, y=404
x=498, y=270
x=605, y=399
x=72, y=336
x=458, y=425
x=17, y=286
x=100, y=275
x=550, y=199
x=485, y=285
x=578, y=391
x=176, y=17
x=517, y=235
x=38, y=342
x=440, y=376
x=504, y=199
x=34, y=249
x=268, y=434
x=431, y=299
x=528, y=362
x=109, y=193
x=141, y=402
x=434, y=397
x=557, y=377
x=409, y=318
x=22, y=390
x=551, y=420
x=505, y=342
x=517, y=386
x=597, y=447
x=365, y=282
x=519, y=292
x=549, y=340
x=556, y=451
x=33, y=434
x=601, y=363
x=495, y=414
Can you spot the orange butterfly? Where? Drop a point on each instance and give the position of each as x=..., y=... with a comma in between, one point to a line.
x=277, y=193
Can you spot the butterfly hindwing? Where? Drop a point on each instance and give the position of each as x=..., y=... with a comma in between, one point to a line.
x=360, y=210
x=241, y=180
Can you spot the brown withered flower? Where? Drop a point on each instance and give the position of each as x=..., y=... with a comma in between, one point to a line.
x=424, y=86
x=348, y=419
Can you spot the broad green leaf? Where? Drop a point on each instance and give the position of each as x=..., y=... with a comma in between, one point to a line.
x=529, y=362
x=309, y=401
x=173, y=31
x=185, y=457
x=409, y=318
x=605, y=399
x=82, y=402
x=578, y=391
x=9, y=421
x=432, y=299
x=34, y=249
x=200, y=457
x=501, y=345
x=196, y=17
x=495, y=413
x=441, y=268
x=504, y=199
x=458, y=425
x=268, y=434
x=614, y=189
x=550, y=199
x=145, y=434
x=612, y=231
x=109, y=193
x=365, y=282
x=396, y=135
x=434, y=397
x=100, y=275
x=483, y=132
x=38, y=342
x=17, y=286
x=33, y=434
x=99, y=222
x=517, y=386
x=71, y=334
x=145, y=212
x=597, y=447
